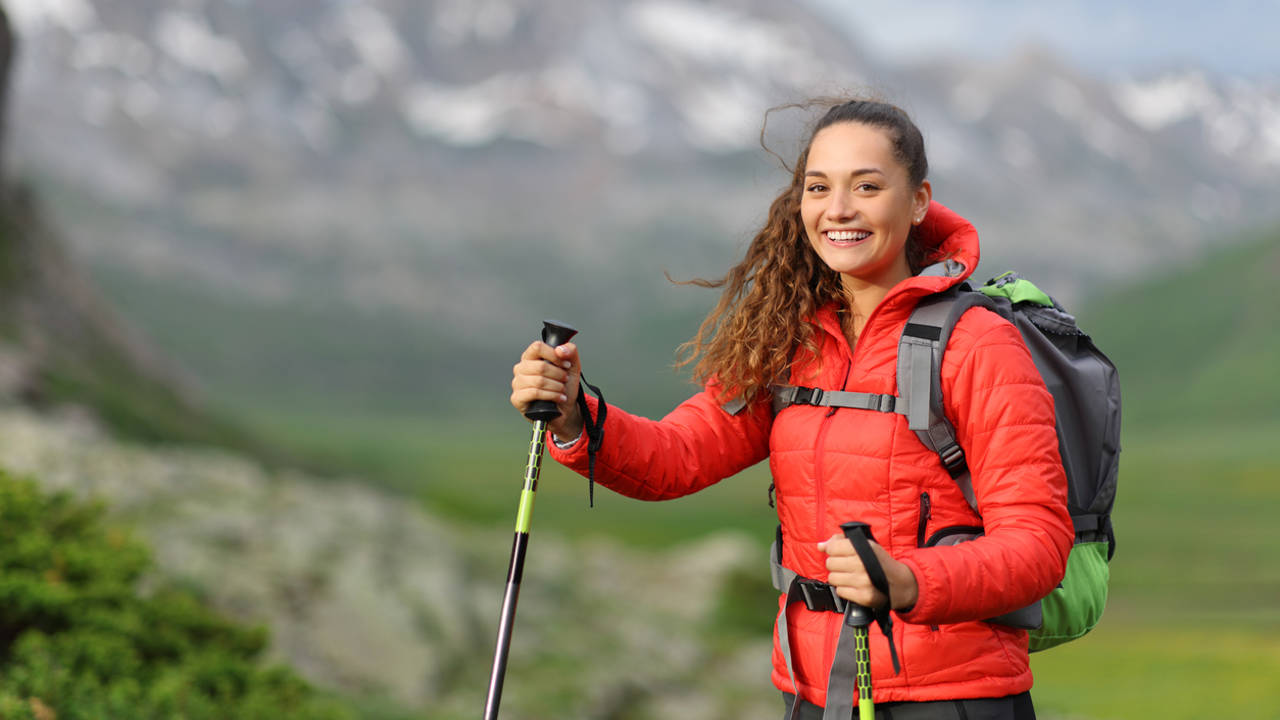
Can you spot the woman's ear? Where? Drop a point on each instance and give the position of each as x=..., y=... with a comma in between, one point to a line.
x=920, y=202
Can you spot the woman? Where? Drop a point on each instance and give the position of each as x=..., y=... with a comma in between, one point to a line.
x=820, y=300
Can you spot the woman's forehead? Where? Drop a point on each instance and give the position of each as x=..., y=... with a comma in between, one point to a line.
x=852, y=144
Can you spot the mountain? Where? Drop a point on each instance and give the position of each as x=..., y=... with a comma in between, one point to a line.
x=368, y=206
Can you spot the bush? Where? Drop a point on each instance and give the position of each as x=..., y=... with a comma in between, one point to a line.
x=79, y=640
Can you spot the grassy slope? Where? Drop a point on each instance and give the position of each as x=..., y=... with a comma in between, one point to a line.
x=1201, y=343
x=474, y=471
x=76, y=350
x=1192, y=628
x=319, y=354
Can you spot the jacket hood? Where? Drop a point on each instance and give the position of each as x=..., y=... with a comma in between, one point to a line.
x=949, y=239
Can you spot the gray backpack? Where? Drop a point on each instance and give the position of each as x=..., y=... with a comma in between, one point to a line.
x=1086, y=393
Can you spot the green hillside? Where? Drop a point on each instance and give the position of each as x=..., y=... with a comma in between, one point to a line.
x=64, y=342
x=1200, y=343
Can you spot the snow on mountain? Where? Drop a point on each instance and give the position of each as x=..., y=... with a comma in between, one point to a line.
x=70, y=15
x=1238, y=119
x=1155, y=104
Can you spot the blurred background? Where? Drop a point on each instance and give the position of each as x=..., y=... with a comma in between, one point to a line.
x=265, y=267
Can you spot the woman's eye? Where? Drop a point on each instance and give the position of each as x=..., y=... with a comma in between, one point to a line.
x=816, y=187
x=866, y=187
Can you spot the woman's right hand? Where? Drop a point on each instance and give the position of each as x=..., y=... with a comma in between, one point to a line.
x=550, y=373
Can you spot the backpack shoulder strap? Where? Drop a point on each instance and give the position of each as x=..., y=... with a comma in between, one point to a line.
x=920, y=352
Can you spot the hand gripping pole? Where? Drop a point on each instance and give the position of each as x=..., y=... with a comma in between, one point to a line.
x=851, y=668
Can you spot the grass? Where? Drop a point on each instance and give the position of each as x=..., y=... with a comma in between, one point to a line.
x=473, y=471
x=1177, y=671
x=1192, y=628
x=1199, y=341
x=1196, y=522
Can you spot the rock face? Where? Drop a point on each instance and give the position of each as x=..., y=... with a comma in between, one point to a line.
x=366, y=593
x=361, y=592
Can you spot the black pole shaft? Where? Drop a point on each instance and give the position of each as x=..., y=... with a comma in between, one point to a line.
x=505, y=625
x=515, y=570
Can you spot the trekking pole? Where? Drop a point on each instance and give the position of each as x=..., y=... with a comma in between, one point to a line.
x=540, y=412
x=858, y=618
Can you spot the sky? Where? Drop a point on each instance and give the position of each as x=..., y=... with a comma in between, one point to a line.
x=1119, y=37
x=1235, y=37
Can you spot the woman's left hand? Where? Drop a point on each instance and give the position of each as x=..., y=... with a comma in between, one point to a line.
x=849, y=576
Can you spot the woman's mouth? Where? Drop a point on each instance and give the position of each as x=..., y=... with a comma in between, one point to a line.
x=847, y=237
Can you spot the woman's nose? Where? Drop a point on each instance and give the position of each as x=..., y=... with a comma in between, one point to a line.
x=841, y=206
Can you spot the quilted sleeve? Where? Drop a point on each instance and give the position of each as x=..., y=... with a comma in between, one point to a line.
x=1004, y=420
x=694, y=446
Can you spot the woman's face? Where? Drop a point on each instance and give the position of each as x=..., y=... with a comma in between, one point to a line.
x=858, y=205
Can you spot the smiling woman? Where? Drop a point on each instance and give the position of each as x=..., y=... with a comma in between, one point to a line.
x=858, y=207
x=820, y=301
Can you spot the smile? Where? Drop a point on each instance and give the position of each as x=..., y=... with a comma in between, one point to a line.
x=848, y=235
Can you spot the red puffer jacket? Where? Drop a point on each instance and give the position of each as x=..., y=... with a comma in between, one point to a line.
x=832, y=466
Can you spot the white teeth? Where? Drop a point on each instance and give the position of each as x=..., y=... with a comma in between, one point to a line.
x=848, y=234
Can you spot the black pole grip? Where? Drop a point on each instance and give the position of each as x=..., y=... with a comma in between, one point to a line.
x=852, y=527
x=554, y=334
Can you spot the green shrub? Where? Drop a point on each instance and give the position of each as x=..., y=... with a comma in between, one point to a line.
x=79, y=640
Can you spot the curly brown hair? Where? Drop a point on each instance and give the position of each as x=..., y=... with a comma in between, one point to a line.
x=748, y=340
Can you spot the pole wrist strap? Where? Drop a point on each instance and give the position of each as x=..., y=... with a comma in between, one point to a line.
x=594, y=429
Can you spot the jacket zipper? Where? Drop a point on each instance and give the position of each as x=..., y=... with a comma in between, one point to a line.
x=818, y=453
x=926, y=511
x=925, y=508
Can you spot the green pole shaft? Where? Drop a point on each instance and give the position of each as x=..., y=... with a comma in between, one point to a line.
x=866, y=708
x=515, y=571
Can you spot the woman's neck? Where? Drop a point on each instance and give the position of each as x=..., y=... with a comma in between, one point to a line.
x=860, y=300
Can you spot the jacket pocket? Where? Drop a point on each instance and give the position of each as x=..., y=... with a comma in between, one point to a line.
x=925, y=512
x=953, y=535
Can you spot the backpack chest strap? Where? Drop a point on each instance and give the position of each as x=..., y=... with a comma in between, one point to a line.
x=787, y=395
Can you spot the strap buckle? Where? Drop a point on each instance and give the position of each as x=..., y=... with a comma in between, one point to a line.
x=808, y=396
x=820, y=597
x=953, y=459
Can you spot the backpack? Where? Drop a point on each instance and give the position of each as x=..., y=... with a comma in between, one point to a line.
x=1086, y=394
